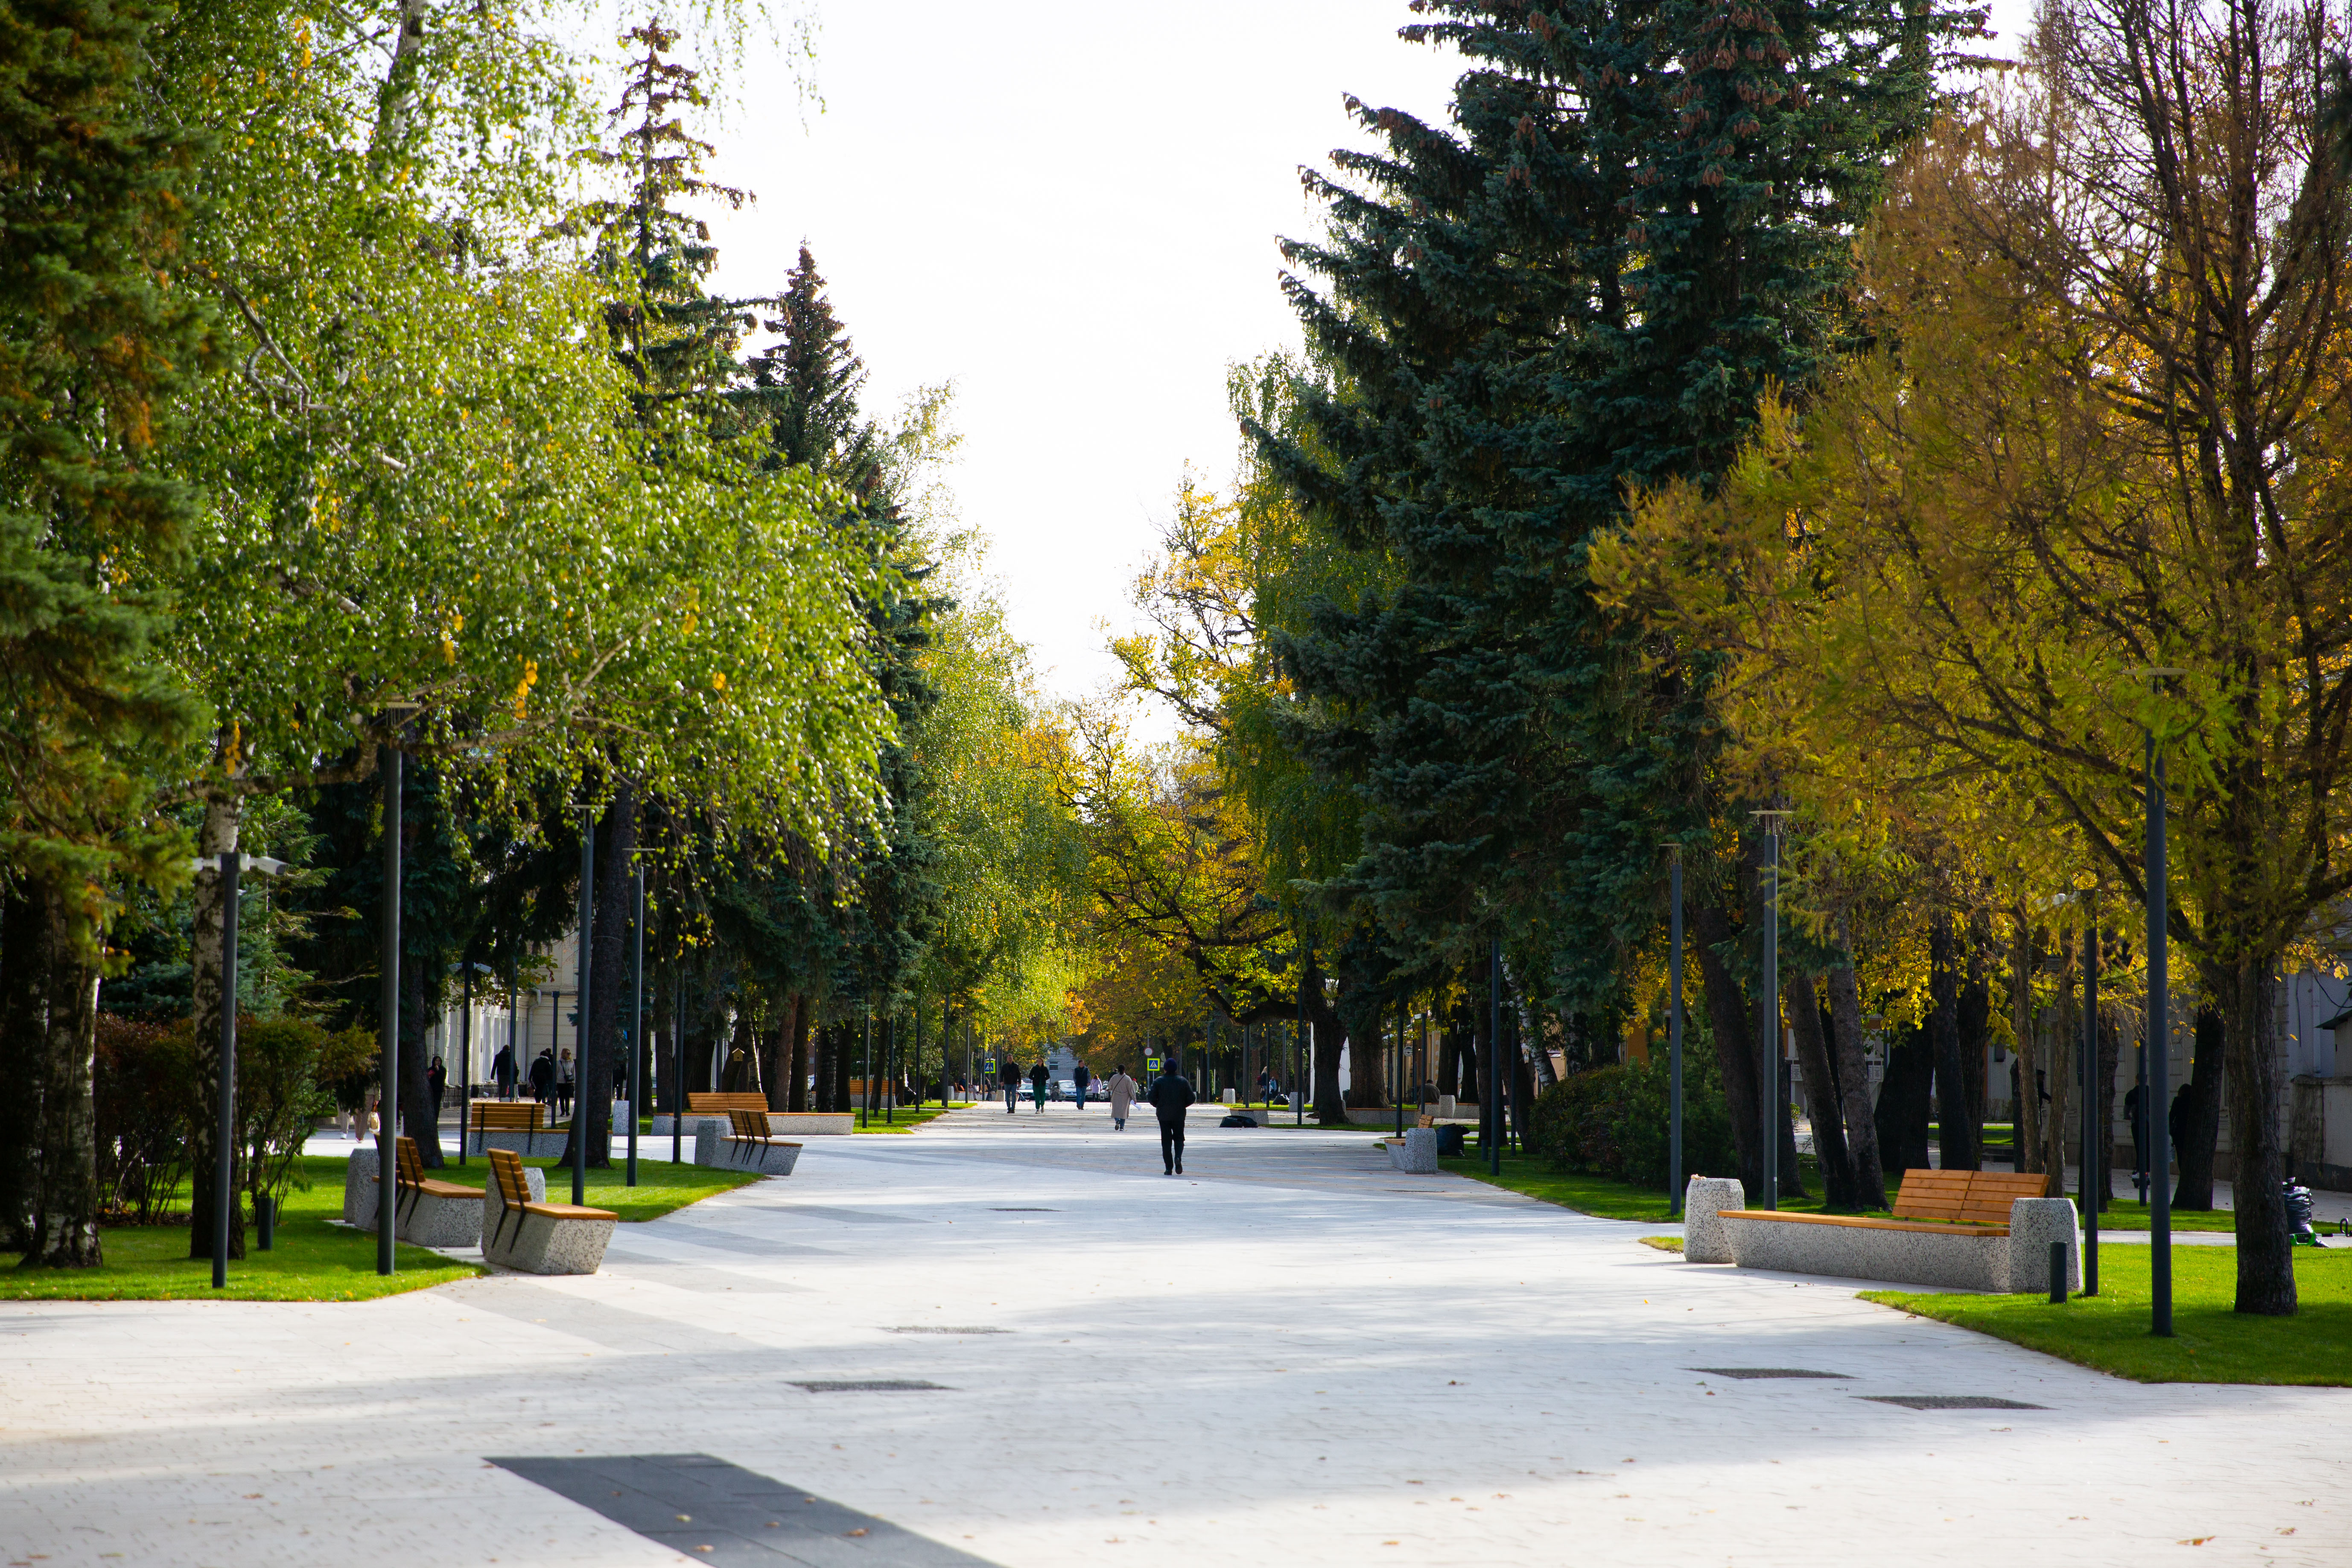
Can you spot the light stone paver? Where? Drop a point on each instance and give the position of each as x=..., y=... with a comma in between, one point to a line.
x=1293, y=1355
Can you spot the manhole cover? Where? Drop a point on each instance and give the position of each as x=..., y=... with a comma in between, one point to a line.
x=1951, y=1402
x=1024, y=1211
x=1744, y=1373
x=868, y=1385
x=935, y=1329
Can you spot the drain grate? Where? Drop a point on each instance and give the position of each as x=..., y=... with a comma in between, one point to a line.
x=1950, y=1402
x=1024, y=1211
x=937, y=1328
x=1744, y=1372
x=868, y=1385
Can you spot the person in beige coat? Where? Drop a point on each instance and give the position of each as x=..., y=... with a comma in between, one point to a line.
x=1121, y=1090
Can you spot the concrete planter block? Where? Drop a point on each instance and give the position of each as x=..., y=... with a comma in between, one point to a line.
x=535, y=1244
x=721, y=1153
x=359, y=1206
x=1956, y=1260
x=2033, y=1225
x=545, y=1144
x=428, y=1219
x=1417, y=1154
x=1705, y=1240
x=811, y=1123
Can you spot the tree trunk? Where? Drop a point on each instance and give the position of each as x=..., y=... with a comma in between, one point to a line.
x=2026, y=1110
x=843, y=1044
x=215, y=836
x=1853, y=1089
x=776, y=1060
x=2241, y=993
x=1735, y=1039
x=1976, y=1028
x=418, y=992
x=1804, y=1009
x=1903, y=1104
x=65, y=1207
x=23, y=1022
x=1954, y=1129
x=2059, y=1114
x=2111, y=1050
x=1329, y=1106
x=2201, y=1114
x=798, y=1099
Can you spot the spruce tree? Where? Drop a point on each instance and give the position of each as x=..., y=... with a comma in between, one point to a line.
x=96, y=340
x=1640, y=217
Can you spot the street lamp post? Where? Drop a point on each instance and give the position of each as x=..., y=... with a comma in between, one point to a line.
x=387, y=1196
x=1675, y=1030
x=2158, y=1056
x=1768, y=1007
x=1492, y=1134
x=636, y=1015
x=224, y=1142
x=580, y=1086
x=2093, y=1161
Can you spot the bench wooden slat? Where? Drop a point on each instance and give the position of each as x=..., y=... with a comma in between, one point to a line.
x=718, y=1102
x=569, y=1211
x=1866, y=1222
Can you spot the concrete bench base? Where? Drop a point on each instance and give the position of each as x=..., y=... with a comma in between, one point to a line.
x=539, y=1244
x=1416, y=1152
x=426, y=1220
x=545, y=1144
x=782, y=1123
x=1957, y=1259
x=775, y=1158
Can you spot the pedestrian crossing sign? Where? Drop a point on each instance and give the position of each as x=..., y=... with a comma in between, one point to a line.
x=1152, y=1063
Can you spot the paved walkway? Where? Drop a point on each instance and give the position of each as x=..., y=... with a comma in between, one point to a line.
x=1293, y=1355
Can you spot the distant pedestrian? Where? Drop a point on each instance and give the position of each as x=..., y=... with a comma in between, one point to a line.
x=1038, y=1078
x=1169, y=1097
x=1008, y=1078
x=502, y=1068
x=2136, y=1110
x=542, y=1075
x=1121, y=1088
x=1079, y=1079
x=563, y=1076
x=437, y=1084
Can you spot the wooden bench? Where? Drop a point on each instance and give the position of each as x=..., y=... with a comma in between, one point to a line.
x=720, y=1102
x=568, y=1238
x=1949, y=1228
x=506, y=1119
x=750, y=1146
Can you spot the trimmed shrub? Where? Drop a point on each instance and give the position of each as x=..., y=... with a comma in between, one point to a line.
x=1613, y=1122
x=141, y=1085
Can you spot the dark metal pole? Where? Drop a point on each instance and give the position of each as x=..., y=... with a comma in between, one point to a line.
x=387, y=1197
x=1298, y=1054
x=225, y=1147
x=1396, y=1066
x=1493, y=1133
x=2160, y=1054
x=1674, y=1032
x=637, y=1018
x=464, y=1061
x=2090, y=1162
x=580, y=1033
x=1768, y=1024
x=891, y=1070
x=677, y=1062
x=867, y=1108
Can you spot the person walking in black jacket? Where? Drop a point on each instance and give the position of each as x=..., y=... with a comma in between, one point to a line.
x=1008, y=1078
x=1169, y=1097
x=1037, y=1076
x=542, y=1075
x=502, y=1067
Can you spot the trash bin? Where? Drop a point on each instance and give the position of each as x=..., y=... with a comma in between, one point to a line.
x=1449, y=1142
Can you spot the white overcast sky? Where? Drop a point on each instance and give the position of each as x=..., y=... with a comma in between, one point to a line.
x=1069, y=210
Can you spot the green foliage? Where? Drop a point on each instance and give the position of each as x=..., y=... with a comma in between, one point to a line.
x=142, y=1087
x=99, y=332
x=1638, y=220
x=1614, y=1122
x=286, y=1070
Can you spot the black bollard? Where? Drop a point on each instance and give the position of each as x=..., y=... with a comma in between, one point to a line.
x=2057, y=1271
x=265, y=1216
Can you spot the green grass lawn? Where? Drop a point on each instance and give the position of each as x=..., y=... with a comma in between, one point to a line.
x=312, y=1261
x=906, y=1118
x=316, y=1260
x=2210, y=1343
